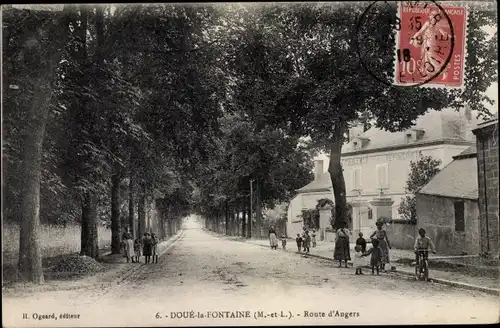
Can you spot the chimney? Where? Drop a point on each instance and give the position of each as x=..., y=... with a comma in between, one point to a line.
x=468, y=123
x=355, y=131
x=318, y=169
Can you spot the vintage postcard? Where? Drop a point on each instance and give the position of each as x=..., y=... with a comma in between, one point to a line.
x=250, y=164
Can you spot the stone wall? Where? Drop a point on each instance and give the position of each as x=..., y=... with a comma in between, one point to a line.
x=437, y=216
x=401, y=235
x=487, y=157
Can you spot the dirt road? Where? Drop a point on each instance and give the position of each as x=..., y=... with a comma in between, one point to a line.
x=206, y=280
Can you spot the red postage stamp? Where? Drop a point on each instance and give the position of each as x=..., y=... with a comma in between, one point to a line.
x=431, y=45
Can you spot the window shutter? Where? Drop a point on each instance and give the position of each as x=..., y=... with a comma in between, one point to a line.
x=382, y=178
x=356, y=178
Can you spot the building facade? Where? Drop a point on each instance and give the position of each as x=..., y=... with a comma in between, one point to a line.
x=487, y=165
x=378, y=161
x=447, y=207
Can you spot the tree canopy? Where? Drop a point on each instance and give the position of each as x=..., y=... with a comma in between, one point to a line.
x=196, y=108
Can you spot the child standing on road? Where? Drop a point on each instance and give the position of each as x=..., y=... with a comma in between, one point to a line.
x=361, y=242
x=147, y=246
x=283, y=241
x=313, y=238
x=154, y=252
x=358, y=259
x=304, y=239
x=376, y=256
x=129, y=248
x=307, y=241
x=137, y=250
x=299, y=242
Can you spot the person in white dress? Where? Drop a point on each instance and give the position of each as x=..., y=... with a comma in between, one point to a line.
x=359, y=260
x=129, y=248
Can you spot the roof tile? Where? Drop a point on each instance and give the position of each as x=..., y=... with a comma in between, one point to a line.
x=447, y=124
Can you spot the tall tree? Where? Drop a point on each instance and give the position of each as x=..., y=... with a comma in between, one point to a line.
x=31, y=58
x=295, y=68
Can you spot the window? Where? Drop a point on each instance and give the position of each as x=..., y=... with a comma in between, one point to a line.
x=355, y=145
x=407, y=137
x=382, y=176
x=356, y=178
x=459, y=216
x=370, y=214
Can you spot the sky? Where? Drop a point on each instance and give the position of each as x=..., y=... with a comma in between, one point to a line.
x=492, y=92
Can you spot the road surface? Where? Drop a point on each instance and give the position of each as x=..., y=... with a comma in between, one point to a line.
x=206, y=280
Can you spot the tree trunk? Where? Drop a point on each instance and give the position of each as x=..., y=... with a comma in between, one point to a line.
x=165, y=227
x=161, y=221
x=338, y=183
x=249, y=223
x=243, y=221
x=169, y=221
x=232, y=221
x=258, y=211
x=237, y=227
x=141, y=211
x=79, y=54
x=41, y=66
x=115, y=214
x=227, y=219
x=236, y=223
x=84, y=230
x=131, y=207
x=90, y=246
x=30, y=256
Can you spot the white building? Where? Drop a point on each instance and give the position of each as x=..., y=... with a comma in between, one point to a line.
x=377, y=160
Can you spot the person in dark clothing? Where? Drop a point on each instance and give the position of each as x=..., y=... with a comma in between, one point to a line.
x=306, y=241
x=342, y=252
x=361, y=242
x=376, y=256
x=147, y=243
x=299, y=242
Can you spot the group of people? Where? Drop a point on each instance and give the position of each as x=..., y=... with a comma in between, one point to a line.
x=145, y=246
x=379, y=251
x=303, y=241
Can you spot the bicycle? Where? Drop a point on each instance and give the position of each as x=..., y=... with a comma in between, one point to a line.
x=422, y=267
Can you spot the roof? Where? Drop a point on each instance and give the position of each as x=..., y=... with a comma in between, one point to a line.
x=322, y=183
x=457, y=180
x=483, y=125
x=469, y=152
x=445, y=125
